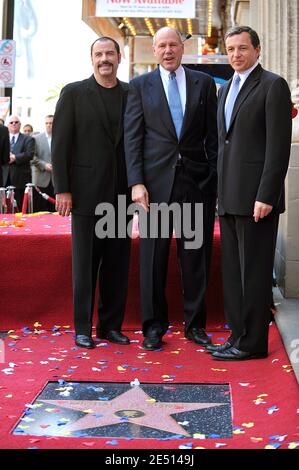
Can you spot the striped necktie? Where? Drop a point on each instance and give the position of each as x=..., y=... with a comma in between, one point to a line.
x=12, y=143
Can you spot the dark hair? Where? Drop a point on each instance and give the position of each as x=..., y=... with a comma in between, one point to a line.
x=255, y=40
x=28, y=125
x=104, y=39
x=49, y=116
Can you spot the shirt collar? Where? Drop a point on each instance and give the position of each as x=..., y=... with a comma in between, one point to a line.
x=245, y=74
x=165, y=73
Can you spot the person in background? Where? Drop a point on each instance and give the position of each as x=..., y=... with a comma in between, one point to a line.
x=28, y=129
x=42, y=167
x=171, y=156
x=254, y=129
x=4, y=150
x=89, y=168
x=18, y=172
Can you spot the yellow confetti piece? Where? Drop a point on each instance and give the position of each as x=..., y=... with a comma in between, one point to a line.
x=269, y=446
x=165, y=376
x=64, y=420
x=256, y=439
x=176, y=332
x=120, y=368
x=286, y=365
x=88, y=411
x=22, y=426
x=50, y=410
x=263, y=395
x=248, y=425
x=238, y=431
x=148, y=362
x=218, y=370
x=37, y=324
x=151, y=400
x=156, y=363
x=293, y=445
x=14, y=336
x=198, y=447
x=197, y=435
x=175, y=352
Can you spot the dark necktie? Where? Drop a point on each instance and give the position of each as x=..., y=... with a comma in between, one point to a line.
x=12, y=143
x=230, y=102
x=175, y=104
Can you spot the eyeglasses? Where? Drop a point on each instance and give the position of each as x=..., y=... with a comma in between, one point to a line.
x=14, y=122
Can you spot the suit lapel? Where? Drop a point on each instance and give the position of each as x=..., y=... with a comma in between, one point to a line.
x=249, y=84
x=120, y=129
x=97, y=103
x=193, y=92
x=157, y=95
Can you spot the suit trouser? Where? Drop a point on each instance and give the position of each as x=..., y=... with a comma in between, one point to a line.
x=194, y=264
x=247, y=262
x=104, y=259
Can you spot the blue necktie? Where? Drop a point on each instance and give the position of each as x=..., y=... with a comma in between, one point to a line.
x=12, y=143
x=230, y=102
x=175, y=104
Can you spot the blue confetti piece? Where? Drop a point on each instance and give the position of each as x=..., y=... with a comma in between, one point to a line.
x=214, y=436
x=112, y=443
x=11, y=344
x=103, y=398
x=276, y=445
x=178, y=367
x=61, y=424
x=61, y=382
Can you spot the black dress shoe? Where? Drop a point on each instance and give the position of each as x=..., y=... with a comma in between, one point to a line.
x=114, y=336
x=234, y=354
x=220, y=347
x=84, y=341
x=198, y=335
x=152, y=342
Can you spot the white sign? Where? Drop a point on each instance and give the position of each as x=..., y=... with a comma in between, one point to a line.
x=7, y=63
x=146, y=8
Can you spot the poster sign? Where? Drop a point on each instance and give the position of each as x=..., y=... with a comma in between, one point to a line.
x=7, y=63
x=146, y=8
x=4, y=106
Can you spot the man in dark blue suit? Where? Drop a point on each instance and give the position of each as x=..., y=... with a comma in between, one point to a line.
x=171, y=154
x=254, y=129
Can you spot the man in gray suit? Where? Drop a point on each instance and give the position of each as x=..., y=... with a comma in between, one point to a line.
x=42, y=167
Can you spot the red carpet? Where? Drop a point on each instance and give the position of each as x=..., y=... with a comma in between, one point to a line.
x=264, y=392
x=36, y=280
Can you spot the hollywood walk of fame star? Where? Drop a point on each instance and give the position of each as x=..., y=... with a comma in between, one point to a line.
x=135, y=405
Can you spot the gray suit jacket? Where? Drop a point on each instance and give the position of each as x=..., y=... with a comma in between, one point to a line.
x=42, y=155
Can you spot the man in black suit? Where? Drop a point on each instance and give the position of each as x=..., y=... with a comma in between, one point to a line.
x=171, y=155
x=18, y=173
x=88, y=169
x=4, y=149
x=254, y=129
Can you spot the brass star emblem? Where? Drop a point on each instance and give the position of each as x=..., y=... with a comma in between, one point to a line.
x=135, y=405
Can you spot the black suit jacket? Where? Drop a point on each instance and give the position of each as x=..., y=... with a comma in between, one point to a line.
x=254, y=152
x=4, y=149
x=20, y=170
x=151, y=143
x=86, y=160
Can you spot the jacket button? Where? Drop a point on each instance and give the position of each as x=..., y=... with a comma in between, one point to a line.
x=227, y=141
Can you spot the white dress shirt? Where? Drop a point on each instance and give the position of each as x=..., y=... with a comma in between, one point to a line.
x=181, y=81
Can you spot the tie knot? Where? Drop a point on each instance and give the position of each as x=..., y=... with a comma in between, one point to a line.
x=237, y=79
x=172, y=75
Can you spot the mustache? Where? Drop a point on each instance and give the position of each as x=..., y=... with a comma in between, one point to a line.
x=106, y=62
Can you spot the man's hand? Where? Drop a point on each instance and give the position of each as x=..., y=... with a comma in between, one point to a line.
x=261, y=210
x=12, y=158
x=140, y=195
x=48, y=167
x=64, y=203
